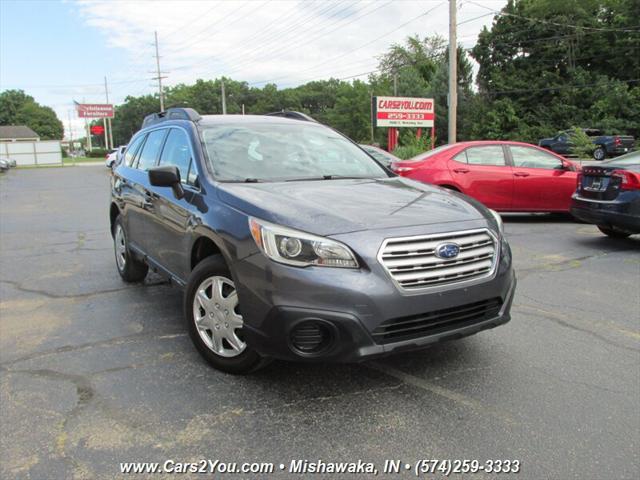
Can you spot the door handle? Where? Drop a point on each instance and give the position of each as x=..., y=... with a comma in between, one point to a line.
x=520, y=174
x=461, y=170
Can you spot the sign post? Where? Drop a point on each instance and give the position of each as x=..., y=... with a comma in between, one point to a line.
x=394, y=112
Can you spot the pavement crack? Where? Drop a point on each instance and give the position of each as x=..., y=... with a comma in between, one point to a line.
x=556, y=318
x=84, y=346
x=449, y=394
x=76, y=296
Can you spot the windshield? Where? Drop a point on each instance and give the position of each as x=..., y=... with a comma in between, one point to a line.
x=284, y=151
x=632, y=158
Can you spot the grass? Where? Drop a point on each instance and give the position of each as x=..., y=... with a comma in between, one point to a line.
x=74, y=160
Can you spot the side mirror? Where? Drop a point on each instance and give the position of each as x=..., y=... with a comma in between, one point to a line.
x=167, y=176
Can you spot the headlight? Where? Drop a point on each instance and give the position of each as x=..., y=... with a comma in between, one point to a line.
x=498, y=218
x=300, y=249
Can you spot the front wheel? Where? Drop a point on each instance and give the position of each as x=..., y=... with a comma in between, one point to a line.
x=130, y=268
x=599, y=154
x=214, y=320
x=613, y=232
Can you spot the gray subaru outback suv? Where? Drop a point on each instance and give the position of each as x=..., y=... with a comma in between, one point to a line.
x=292, y=242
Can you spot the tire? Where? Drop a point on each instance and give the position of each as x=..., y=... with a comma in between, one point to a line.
x=599, y=154
x=214, y=321
x=130, y=268
x=613, y=233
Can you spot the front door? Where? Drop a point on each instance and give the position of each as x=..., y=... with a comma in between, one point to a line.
x=174, y=219
x=483, y=173
x=541, y=181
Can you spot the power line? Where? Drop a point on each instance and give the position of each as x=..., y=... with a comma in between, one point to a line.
x=562, y=87
x=195, y=38
x=287, y=48
x=273, y=37
x=360, y=47
x=557, y=24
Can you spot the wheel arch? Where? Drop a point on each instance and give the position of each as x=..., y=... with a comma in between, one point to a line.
x=204, y=246
x=449, y=186
x=114, y=211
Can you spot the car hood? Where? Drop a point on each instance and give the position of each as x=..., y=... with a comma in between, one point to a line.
x=327, y=207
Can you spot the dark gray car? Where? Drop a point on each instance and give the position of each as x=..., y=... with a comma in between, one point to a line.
x=291, y=242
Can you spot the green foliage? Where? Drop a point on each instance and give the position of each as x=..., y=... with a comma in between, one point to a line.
x=17, y=108
x=546, y=65
x=97, y=153
x=412, y=147
x=583, y=145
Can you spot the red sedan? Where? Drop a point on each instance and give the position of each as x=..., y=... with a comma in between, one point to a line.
x=505, y=176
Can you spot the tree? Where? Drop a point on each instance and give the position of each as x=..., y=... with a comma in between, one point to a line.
x=547, y=65
x=18, y=108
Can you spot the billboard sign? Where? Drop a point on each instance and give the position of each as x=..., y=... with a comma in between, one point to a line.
x=94, y=110
x=403, y=112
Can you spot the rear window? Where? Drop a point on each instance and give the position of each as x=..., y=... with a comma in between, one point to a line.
x=430, y=153
x=632, y=158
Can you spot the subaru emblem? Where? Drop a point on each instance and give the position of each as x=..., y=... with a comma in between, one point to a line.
x=447, y=250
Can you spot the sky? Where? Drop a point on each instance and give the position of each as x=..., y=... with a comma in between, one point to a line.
x=60, y=51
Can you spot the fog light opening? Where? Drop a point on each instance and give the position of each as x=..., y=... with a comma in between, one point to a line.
x=311, y=337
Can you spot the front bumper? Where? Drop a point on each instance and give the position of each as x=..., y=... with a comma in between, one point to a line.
x=624, y=214
x=354, y=304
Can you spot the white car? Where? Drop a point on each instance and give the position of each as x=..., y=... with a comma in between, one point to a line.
x=114, y=156
x=9, y=161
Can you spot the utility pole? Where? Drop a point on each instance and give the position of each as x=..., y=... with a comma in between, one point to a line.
x=224, y=98
x=106, y=94
x=371, y=116
x=159, y=73
x=70, y=133
x=453, y=74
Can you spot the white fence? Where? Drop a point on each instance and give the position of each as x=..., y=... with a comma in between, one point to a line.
x=46, y=152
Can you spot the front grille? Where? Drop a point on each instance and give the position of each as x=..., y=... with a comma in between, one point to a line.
x=439, y=321
x=413, y=264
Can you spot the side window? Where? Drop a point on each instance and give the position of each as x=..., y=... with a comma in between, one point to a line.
x=526, y=157
x=132, y=149
x=151, y=149
x=176, y=152
x=492, y=155
x=461, y=157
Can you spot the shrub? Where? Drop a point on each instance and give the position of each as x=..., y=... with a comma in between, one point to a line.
x=97, y=153
x=414, y=146
x=583, y=145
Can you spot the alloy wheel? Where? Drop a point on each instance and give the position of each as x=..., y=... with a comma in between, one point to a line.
x=217, y=318
x=121, y=248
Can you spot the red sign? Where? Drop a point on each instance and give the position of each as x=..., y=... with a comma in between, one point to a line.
x=94, y=110
x=97, y=130
x=403, y=112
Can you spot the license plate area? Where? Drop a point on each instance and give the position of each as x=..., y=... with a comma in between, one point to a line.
x=595, y=184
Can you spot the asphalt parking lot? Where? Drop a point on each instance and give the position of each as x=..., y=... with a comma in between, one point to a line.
x=96, y=372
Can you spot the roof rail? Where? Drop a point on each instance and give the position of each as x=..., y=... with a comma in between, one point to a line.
x=171, y=114
x=293, y=115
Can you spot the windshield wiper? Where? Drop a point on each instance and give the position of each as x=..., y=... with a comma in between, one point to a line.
x=327, y=177
x=243, y=180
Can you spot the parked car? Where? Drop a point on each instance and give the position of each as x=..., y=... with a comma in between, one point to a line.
x=382, y=156
x=4, y=165
x=115, y=156
x=504, y=176
x=606, y=145
x=292, y=243
x=9, y=161
x=608, y=195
